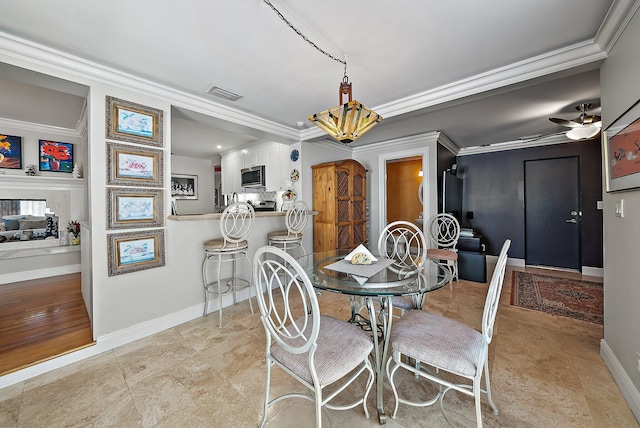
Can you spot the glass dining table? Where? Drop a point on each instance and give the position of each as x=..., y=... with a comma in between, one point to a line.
x=372, y=291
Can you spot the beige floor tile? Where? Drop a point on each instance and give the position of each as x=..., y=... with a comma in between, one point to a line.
x=10, y=401
x=545, y=371
x=97, y=395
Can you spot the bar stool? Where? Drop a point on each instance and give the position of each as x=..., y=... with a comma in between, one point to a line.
x=296, y=220
x=236, y=223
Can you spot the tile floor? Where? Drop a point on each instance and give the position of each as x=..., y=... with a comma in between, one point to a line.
x=545, y=371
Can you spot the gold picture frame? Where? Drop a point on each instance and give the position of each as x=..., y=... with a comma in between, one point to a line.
x=134, y=208
x=135, y=251
x=134, y=166
x=134, y=123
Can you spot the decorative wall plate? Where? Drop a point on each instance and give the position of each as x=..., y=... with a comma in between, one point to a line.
x=289, y=195
x=295, y=175
x=295, y=154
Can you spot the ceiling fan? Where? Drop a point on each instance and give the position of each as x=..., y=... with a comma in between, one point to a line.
x=584, y=126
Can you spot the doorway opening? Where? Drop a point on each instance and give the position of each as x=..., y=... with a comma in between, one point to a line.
x=403, y=186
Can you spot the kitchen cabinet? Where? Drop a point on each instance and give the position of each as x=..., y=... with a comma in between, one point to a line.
x=274, y=156
x=339, y=197
x=275, y=167
x=231, y=166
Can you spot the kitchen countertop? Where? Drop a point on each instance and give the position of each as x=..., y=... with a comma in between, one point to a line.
x=259, y=214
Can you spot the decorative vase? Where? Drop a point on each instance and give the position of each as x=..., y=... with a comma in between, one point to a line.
x=75, y=239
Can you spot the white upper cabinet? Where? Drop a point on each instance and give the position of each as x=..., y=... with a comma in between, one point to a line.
x=274, y=156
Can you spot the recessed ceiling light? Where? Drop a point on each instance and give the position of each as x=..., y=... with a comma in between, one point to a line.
x=223, y=93
x=218, y=146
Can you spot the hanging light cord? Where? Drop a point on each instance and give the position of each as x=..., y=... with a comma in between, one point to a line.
x=306, y=39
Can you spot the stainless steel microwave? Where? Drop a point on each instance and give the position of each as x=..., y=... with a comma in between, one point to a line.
x=253, y=177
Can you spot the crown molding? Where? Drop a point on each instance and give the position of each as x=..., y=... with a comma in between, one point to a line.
x=448, y=144
x=399, y=143
x=515, y=145
x=531, y=68
x=40, y=128
x=615, y=22
x=50, y=61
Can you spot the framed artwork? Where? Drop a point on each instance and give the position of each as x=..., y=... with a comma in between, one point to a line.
x=184, y=186
x=10, y=152
x=621, y=151
x=56, y=156
x=135, y=251
x=135, y=123
x=131, y=208
x=134, y=165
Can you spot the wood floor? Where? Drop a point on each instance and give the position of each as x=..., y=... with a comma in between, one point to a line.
x=41, y=319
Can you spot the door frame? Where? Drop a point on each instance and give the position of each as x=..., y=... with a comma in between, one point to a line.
x=382, y=183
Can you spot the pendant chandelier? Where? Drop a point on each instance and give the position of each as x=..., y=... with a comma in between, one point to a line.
x=346, y=121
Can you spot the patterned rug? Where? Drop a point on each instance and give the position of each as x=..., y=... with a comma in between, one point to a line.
x=573, y=298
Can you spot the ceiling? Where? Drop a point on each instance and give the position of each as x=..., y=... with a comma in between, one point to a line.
x=479, y=72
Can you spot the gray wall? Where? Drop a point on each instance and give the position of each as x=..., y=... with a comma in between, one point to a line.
x=620, y=90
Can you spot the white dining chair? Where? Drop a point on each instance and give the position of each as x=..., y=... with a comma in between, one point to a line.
x=316, y=350
x=405, y=244
x=439, y=344
x=444, y=232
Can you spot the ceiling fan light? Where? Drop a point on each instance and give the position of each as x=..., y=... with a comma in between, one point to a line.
x=583, y=133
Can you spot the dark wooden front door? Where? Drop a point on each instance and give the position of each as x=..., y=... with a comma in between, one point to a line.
x=552, y=212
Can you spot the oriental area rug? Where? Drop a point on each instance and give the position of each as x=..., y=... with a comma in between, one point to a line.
x=572, y=298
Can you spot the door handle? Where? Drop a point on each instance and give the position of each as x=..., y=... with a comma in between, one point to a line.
x=571, y=220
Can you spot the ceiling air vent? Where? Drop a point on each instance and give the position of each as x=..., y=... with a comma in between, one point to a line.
x=223, y=93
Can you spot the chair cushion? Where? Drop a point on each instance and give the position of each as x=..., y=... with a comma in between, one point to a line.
x=404, y=302
x=442, y=254
x=341, y=348
x=219, y=245
x=438, y=341
x=283, y=235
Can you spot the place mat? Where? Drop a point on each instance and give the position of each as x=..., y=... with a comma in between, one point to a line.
x=365, y=271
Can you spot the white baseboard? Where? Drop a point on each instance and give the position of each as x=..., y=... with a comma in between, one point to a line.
x=593, y=271
x=510, y=261
x=627, y=388
x=113, y=340
x=28, y=275
x=586, y=270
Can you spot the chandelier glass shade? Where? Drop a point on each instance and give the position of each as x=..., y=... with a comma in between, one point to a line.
x=347, y=121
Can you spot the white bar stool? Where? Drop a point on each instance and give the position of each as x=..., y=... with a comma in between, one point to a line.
x=296, y=220
x=236, y=225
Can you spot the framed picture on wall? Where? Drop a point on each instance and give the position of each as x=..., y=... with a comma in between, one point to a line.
x=134, y=165
x=135, y=123
x=184, y=186
x=10, y=152
x=621, y=151
x=134, y=208
x=135, y=251
x=56, y=156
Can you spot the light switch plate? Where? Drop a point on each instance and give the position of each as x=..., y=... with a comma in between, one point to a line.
x=620, y=208
x=599, y=205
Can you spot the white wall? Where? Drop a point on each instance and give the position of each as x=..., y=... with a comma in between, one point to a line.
x=620, y=87
x=203, y=169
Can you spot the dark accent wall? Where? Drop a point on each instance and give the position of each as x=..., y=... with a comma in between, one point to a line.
x=494, y=191
x=444, y=161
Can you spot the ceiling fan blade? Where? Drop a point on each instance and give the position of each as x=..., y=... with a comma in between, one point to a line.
x=564, y=122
